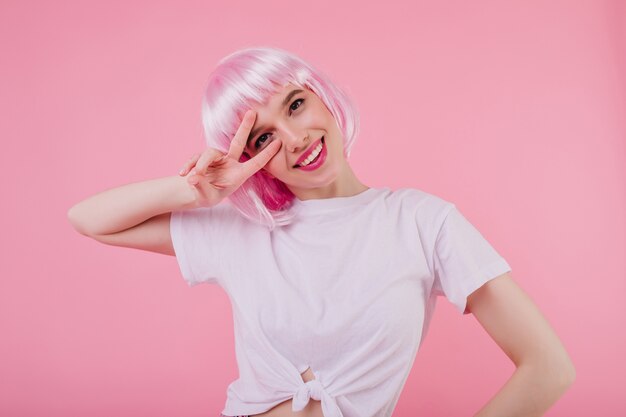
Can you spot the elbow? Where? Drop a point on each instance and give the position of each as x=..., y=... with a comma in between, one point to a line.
x=565, y=379
x=569, y=374
x=74, y=220
x=559, y=374
x=565, y=370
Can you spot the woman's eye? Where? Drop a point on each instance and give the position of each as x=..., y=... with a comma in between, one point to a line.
x=259, y=142
x=300, y=100
x=256, y=143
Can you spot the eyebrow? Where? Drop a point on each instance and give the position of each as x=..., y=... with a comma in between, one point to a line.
x=283, y=104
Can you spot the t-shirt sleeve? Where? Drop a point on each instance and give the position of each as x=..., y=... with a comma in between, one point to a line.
x=198, y=240
x=463, y=260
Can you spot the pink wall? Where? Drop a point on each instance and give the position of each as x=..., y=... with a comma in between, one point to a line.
x=512, y=110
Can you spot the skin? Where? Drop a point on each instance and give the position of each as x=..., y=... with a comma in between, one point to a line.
x=297, y=126
x=288, y=133
x=139, y=216
x=544, y=370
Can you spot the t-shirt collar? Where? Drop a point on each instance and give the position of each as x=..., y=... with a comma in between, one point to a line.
x=318, y=205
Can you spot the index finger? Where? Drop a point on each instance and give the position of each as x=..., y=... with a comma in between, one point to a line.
x=238, y=143
x=259, y=160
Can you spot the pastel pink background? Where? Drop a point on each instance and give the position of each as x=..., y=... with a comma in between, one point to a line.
x=512, y=110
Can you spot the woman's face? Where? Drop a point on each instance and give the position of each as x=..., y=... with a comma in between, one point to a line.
x=302, y=122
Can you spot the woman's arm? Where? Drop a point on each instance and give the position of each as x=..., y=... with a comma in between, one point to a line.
x=135, y=215
x=544, y=369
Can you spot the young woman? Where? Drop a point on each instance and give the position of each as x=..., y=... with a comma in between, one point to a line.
x=333, y=283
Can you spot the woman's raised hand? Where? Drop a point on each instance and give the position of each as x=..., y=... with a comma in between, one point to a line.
x=215, y=175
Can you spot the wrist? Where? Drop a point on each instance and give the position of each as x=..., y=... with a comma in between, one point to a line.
x=185, y=196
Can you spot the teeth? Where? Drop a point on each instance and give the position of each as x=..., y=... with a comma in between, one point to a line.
x=311, y=157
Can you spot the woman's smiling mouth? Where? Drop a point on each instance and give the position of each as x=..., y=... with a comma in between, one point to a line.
x=312, y=156
x=315, y=158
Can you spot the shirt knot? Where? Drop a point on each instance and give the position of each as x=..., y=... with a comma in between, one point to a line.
x=314, y=389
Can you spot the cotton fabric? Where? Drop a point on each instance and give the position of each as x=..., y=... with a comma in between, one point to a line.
x=348, y=290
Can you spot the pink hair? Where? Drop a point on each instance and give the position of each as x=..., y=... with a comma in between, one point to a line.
x=249, y=77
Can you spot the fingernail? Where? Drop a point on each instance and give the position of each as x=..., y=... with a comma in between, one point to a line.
x=181, y=172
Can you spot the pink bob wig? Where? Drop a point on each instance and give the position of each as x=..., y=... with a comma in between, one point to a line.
x=249, y=77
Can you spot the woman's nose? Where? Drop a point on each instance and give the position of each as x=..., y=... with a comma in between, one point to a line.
x=295, y=139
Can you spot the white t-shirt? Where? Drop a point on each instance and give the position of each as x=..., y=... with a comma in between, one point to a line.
x=347, y=290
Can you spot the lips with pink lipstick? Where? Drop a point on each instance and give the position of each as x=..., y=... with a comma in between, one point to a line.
x=311, y=149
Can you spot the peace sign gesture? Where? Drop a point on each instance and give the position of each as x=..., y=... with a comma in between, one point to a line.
x=215, y=175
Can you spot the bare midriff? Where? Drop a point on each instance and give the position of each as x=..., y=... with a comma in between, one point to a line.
x=312, y=409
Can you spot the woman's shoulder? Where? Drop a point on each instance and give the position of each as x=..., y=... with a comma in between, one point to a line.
x=419, y=199
x=427, y=211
